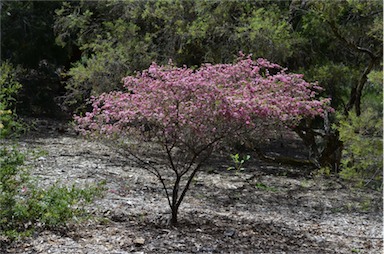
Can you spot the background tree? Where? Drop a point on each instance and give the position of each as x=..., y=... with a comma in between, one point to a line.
x=118, y=38
x=28, y=41
x=343, y=44
x=355, y=25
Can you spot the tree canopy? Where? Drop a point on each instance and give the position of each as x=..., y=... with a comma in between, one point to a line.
x=188, y=113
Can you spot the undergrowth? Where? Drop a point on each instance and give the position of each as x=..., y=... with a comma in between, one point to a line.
x=25, y=207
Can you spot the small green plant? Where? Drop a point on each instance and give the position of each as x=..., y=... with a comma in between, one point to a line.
x=262, y=186
x=38, y=152
x=324, y=171
x=337, y=209
x=365, y=205
x=24, y=207
x=238, y=162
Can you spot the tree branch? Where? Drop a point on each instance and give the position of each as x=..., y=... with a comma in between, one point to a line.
x=151, y=169
x=349, y=44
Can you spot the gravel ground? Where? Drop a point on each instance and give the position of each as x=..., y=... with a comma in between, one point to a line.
x=267, y=208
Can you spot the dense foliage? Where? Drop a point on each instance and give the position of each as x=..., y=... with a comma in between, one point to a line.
x=363, y=142
x=9, y=88
x=28, y=42
x=338, y=43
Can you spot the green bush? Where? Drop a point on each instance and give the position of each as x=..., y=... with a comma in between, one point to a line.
x=362, y=160
x=9, y=87
x=373, y=93
x=24, y=207
x=101, y=72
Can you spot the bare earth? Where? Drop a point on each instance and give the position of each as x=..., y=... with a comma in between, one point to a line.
x=267, y=208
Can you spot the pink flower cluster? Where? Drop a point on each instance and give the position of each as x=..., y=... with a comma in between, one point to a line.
x=202, y=105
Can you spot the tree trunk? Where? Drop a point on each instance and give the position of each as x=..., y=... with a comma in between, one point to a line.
x=306, y=133
x=175, y=200
x=330, y=154
x=175, y=211
x=357, y=90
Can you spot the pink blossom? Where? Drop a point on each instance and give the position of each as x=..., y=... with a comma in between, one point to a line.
x=178, y=102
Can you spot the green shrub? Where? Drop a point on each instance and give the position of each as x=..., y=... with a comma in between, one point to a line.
x=24, y=207
x=373, y=92
x=9, y=87
x=362, y=160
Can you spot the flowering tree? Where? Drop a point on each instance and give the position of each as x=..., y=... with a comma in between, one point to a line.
x=187, y=113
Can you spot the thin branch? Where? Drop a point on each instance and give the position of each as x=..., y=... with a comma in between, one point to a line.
x=170, y=159
x=192, y=161
x=186, y=187
x=175, y=193
x=151, y=169
x=198, y=153
x=378, y=170
x=351, y=45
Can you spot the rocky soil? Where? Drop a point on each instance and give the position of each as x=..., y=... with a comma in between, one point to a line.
x=267, y=208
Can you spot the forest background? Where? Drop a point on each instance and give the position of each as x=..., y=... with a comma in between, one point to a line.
x=55, y=55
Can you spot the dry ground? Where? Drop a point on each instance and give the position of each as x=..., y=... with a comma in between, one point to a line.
x=268, y=208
